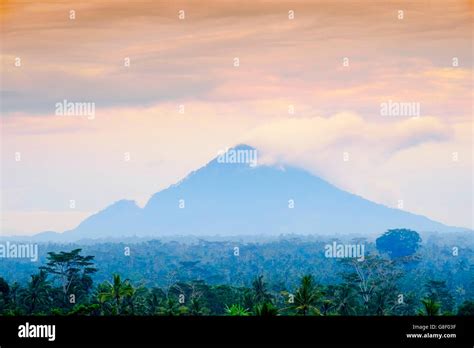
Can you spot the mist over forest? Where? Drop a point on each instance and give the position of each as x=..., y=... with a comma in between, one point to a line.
x=401, y=272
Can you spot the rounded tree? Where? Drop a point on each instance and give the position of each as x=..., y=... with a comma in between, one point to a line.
x=398, y=242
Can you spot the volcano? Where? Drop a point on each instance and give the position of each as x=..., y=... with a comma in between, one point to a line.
x=232, y=195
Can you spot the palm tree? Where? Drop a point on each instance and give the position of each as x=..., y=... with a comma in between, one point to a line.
x=306, y=297
x=196, y=304
x=237, y=310
x=266, y=309
x=14, y=291
x=430, y=307
x=327, y=307
x=154, y=300
x=116, y=292
x=260, y=291
x=37, y=291
x=169, y=307
x=196, y=307
x=135, y=301
x=345, y=298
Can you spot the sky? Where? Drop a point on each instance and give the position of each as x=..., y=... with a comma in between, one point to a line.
x=307, y=91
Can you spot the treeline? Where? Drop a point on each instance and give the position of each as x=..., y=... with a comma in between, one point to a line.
x=64, y=286
x=282, y=262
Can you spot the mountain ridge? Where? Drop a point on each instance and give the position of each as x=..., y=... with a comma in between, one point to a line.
x=231, y=197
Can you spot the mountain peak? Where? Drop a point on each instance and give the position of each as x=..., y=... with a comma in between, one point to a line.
x=231, y=195
x=243, y=147
x=240, y=154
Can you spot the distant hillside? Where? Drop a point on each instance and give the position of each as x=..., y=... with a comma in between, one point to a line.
x=229, y=197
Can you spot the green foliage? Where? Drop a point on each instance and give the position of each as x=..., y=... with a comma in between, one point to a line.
x=200, y=280
x=72, y=270
x=85, y=309
x=306, y=297
x=115, y=292
x=372, y=286
x=430, y=307
x=260, y=291
x=237, y=310
x=344, y=299
x=196, y=308
x=4, y=288
x=467, y=308
x=36, y=294
x=437, y=291
x=266, y=309
x=4, y=295
x=169, y=307
x=398, y=243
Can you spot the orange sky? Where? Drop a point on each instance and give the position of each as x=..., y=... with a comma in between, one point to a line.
x=189, y=62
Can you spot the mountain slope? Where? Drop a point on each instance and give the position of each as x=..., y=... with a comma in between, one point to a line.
x=238, y=199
